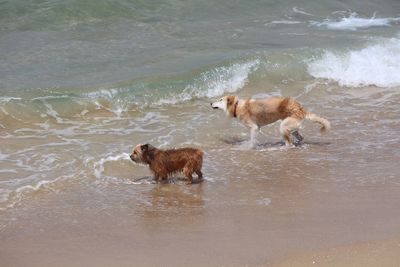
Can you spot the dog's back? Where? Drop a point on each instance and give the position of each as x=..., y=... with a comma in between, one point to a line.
x=164, y=163
x=276, y=107
x=263, y=111
x=176, y=159
x=186, y=160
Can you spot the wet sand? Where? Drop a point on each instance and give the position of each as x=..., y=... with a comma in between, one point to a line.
x=202, y=225
x=253, y=221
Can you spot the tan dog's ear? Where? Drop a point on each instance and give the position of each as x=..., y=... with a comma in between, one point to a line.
x=229, y=100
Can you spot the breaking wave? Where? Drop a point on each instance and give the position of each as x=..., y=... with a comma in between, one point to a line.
x=210, y=83
x=215, y=82
x=377, y=64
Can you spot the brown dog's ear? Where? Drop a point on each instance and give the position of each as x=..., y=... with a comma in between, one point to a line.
x=148, y=151
x=144, y=147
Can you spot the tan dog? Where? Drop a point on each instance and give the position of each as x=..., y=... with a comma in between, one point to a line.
x=164, y=163
x=255, y=113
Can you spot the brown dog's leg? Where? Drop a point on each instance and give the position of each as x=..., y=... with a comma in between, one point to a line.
x=190, y=177
x=199, y=174
x=188, y=173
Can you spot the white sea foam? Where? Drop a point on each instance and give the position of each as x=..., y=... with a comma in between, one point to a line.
x=8, y=171
x=377, y=64
x=99, y=165
x=115, y=97
x=285, y=22
x=45, y=125
x=52, y=113
x=6, y=99
x=119, y=108
x=301, y=11
x=353, y=22
x=264, y=202
x=3, y=156
x=103, y=93
x=104, y=179
x=50, y=97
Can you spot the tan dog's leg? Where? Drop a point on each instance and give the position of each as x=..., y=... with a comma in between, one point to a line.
x=289, y=125
x=253, y=135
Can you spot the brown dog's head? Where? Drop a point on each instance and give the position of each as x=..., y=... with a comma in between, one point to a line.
x=143, y=154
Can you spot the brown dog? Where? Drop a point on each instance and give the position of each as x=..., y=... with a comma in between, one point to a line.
x=164, y=163
x=255, y=113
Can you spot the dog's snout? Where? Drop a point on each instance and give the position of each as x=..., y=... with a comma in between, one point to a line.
x=132, y=157
x=211, y=104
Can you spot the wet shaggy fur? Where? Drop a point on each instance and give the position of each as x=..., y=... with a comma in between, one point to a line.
x=165, y=163
x=255, y=113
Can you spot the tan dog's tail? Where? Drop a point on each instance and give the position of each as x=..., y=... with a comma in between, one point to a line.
x=326, y=125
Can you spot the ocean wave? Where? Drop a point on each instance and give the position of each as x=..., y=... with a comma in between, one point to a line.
x=224, y=79
x=353, y=22
x=377, y=64
x=215, y=82
x=151, y=92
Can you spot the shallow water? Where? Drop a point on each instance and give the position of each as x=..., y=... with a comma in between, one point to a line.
x=91, y=83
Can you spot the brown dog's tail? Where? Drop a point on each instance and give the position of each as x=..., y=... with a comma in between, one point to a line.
x=326, y=125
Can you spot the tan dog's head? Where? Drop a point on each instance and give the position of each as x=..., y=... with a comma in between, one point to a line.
x=226, y=103
x=143, y=153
